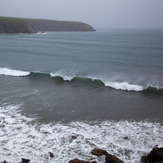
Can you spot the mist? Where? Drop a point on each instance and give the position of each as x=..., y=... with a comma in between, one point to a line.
x=98, y=13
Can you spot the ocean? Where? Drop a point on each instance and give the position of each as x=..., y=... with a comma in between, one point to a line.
x=70, y=92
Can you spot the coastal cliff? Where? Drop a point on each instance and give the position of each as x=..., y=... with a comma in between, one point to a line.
x=25, y=25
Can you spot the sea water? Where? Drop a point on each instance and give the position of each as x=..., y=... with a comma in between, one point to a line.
x=70, y=92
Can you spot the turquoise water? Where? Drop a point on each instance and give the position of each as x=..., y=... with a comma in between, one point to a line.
x=109, y=78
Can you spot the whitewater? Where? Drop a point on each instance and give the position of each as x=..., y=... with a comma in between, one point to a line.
x=23, y=137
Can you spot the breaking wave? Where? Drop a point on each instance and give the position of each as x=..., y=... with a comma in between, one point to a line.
x=23, y=137
x=124, y=86
x=73, y=76
x=65, y=75
x=41, y=33
x=7, y=71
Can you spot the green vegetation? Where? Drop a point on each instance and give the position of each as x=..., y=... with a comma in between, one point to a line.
x=23, y=25
x=13, y=25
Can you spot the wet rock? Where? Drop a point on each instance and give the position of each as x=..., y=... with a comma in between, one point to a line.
x=51, y=154
x=155, y=156
x=74, y=137
x=99, y=152
x=80, y=161
x=4, y=162
x=143, y=159
x=112, y=159
x=126, y=138
x=108, y=157
x=25, y=160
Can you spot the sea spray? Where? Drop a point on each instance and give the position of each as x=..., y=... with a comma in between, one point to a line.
x=67, y=75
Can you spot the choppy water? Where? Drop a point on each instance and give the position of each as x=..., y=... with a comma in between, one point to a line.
x=99, y=86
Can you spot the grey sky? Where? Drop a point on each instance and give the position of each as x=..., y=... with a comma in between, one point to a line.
x=98, y=13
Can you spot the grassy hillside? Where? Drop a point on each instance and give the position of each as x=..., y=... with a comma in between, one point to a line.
x=13, y=25
x=22, y=25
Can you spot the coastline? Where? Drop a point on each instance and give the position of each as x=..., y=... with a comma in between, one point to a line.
x=27, y=25
x=155, y=155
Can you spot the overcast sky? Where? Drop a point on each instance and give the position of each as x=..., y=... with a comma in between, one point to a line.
x=98, y=13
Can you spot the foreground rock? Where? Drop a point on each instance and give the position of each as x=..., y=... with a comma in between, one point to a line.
x=80, y=161
x=112, y=159
x=51, y=154
x=99, y=152
x=25, y=160
x=155, y=156
x=108, y=157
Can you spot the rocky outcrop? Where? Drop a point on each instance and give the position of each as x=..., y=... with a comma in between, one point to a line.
x=23, y=25
x=112, y=159
x=155, y=156
x=108, y=157
x=99, y=152
x=25, y=160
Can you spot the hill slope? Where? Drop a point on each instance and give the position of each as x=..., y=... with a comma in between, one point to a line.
x=24, y=25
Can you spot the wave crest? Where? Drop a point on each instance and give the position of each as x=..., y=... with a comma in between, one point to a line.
x=124, y=86
x=66, y=75
x=74, y=76
x=10, y=72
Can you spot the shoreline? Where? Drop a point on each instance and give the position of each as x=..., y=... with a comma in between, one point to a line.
x=155, y=155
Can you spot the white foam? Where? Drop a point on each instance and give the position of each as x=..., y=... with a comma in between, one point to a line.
x=124, y=86
x=67, y=75
x=10, y=72
x=41, y=33
x=111, y=82
x=22, y=137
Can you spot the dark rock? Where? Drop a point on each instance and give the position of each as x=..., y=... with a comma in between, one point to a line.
x=74, y=137
x=25, y=160
x=112, y=159
x=99, y=152
x=80, y=161
x=4, y=162
x=156, y=155
x=126, y=137
x=51, y=154
x=108, y=157
x=143, y=159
